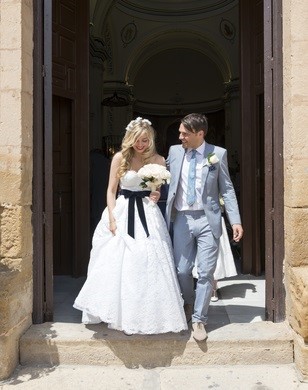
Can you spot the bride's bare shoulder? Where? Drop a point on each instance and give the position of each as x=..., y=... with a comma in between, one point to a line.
x=118, y=156
x=117, y=159
x=158, y=159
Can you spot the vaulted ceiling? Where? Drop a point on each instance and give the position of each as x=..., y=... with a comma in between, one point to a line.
x=170, y=53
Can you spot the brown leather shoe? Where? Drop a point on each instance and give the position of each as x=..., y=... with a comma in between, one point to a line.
x=199, y=332
x=188, y=311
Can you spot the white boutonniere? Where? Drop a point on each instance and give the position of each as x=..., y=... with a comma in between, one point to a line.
x=211, y=159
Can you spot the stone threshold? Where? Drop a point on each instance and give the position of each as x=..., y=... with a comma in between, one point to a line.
x=78, y=344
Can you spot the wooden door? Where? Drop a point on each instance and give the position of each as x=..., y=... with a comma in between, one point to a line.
x=273, y=160
x=42, y=206
x=70, y=85
x=62, y=186
x=252, y=155
x=61, y=57
x=262, y=147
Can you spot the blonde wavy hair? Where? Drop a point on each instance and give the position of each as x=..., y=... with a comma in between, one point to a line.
x=135, y=129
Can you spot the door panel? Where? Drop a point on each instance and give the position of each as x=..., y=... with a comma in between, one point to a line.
x=62, y=186
x=42, y=164
x=262, y=147
x=70, y=80
x=273, y=159
x=252, y=171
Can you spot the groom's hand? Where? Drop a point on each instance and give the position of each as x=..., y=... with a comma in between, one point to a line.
x=237, y=232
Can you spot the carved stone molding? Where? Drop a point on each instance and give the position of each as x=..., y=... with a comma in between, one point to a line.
x=227, y=30
x=181, y=8
x=98, y=49
x=128, y=33
x=232, y=90
x=108, y=43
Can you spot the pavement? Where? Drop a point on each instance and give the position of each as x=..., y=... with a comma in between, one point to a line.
x=261, y=377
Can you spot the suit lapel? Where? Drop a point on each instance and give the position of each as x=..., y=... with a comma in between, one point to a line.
x=205, y=169
x=179, y=161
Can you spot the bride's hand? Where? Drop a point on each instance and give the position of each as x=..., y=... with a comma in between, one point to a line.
x=154, y=196
x=113, y=227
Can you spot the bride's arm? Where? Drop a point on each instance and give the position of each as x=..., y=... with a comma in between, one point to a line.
x=112, y=190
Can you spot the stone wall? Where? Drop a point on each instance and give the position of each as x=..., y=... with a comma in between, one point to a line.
x=16, y=80
x=295, y=59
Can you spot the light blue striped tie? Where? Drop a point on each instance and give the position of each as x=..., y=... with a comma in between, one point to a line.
x=191, y=183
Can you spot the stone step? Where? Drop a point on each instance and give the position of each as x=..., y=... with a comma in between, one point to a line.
x=70, y=343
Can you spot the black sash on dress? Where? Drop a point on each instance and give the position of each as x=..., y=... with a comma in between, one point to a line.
x=135, y=196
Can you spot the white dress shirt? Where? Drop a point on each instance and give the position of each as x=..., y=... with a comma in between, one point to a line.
x=180, y=202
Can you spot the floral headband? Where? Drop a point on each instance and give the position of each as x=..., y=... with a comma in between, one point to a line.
x=137, y=121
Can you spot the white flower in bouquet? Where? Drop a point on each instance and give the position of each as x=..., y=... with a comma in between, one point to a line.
x=153, y=176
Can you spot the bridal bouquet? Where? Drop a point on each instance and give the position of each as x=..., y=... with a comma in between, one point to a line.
x=153, y=176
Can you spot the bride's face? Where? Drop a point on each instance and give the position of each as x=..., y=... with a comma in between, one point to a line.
x=141, y=144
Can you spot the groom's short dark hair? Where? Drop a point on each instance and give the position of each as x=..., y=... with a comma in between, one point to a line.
x=195, y=122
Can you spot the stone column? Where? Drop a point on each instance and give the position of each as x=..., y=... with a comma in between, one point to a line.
x=295, y=113
x=16, y=99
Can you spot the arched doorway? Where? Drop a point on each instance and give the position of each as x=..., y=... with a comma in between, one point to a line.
x=118, y=35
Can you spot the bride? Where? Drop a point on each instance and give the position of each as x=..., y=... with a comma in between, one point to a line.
x=131, y=282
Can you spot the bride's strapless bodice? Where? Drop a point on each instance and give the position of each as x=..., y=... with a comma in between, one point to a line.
x=131, y=181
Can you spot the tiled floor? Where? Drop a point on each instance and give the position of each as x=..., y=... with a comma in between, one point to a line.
x=241, y=300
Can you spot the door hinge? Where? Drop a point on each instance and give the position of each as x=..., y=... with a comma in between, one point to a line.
x=43, y=71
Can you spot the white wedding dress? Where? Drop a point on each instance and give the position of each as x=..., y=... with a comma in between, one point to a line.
x=225, y=263
x=131, y=282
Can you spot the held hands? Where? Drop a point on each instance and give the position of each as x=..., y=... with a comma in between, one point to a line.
x=237, y=232
x=154, y=196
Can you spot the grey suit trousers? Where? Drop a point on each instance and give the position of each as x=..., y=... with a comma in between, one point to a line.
x=193, y=238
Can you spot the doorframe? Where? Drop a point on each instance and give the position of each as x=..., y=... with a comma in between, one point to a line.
x=273, y=153
x=273, y=157
x=42, y=208
x=274, y=201
x=42, y=164
x=48, y=170
x=38, y=169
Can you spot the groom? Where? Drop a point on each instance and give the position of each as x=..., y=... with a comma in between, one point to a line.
x=199, y=174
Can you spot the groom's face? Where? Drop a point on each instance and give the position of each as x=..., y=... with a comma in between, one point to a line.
x=190, y=139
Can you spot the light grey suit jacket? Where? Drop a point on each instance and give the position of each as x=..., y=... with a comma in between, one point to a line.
x=215, y=181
